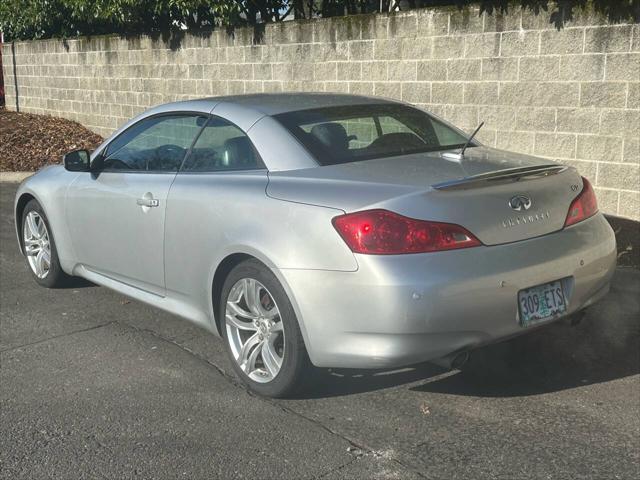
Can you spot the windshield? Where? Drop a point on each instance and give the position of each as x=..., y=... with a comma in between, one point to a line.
x=346, y=134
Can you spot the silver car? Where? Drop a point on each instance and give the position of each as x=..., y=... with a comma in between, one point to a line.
x=320, y=229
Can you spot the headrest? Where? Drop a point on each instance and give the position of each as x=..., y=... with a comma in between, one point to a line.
x=238, y=152
x=331, y=135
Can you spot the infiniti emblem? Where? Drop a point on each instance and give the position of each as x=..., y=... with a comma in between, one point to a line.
x=520, y=202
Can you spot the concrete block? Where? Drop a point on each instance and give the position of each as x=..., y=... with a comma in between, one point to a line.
x=416, y=92
x=325, y=71
x=482, y=45
x=432, y=70
x=578, y=120
x=388, y=90
x=623, y=67
x=498, y=22
x=462, y=116
x=499, y=69
x=582, y=67
x=402, y=25
x=541, y=94
x=387, y=49
x=521, y=142
x=607, y=200
x=417, y=48
x=536, y=119
x=619, y=175
x=374, y=26
x=635, y=38
x=432, y=23
x=375, y=71
x=629, y=204
x=447, y=92
x=603, y=94
x=555, y=145
x=304, y=71
x=481, y=93
x=464, y=69
x=448, y=47
x=619, y=122
x=497, y=117
x=402, y=71
x=517, y=44
x=465, y=21
x=539, y=68
x=609, y=38
x=631, y=150
x=633, y=95
x=361, y=88
x=360, y=51
x=599, y=148
x=566, y=41
x=349, y=70
x=263, y=71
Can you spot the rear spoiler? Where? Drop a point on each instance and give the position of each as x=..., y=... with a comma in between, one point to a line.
x=514, y=174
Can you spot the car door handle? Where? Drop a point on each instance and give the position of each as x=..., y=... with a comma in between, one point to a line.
x=148, y=202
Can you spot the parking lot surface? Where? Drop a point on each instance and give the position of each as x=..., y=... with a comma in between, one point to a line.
x=94, y=385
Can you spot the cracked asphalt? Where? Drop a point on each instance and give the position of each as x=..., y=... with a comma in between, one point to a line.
x=93, y=385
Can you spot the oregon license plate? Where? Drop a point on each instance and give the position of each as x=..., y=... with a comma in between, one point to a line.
x=541, y=303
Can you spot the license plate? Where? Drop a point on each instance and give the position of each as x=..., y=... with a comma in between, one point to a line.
x=541, y=303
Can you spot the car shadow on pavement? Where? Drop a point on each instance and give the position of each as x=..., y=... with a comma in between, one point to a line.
x=75, y=283
x=605, y=346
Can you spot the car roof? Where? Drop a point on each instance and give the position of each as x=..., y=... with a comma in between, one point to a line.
x=276, y=103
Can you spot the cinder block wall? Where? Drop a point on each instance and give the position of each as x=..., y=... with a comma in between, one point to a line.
x=571, y=95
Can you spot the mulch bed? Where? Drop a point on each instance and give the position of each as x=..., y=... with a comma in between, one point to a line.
x=29, y=142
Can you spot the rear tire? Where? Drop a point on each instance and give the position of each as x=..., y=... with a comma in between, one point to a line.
x=39, y=246
x=262, y=337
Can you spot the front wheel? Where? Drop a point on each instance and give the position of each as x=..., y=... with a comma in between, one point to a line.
x=40, y=248
x=261, y=331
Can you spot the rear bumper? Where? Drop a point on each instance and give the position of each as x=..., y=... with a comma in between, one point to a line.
x=403, y=309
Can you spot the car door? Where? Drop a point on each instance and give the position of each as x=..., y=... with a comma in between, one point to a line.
x=219, y=191
x=116, y=213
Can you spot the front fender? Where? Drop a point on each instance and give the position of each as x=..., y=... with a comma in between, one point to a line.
x=48, y=187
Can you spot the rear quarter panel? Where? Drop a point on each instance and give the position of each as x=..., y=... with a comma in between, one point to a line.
x=213, y=215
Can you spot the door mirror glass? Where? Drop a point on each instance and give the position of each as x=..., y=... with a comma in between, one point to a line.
x=77, y=161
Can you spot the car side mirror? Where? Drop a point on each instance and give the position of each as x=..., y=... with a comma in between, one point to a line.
x=77, y=161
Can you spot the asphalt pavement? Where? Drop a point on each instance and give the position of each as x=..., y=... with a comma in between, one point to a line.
x=94, y=385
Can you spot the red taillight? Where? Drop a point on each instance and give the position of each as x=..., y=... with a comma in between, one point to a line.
x=583, y=206
x=380, y=232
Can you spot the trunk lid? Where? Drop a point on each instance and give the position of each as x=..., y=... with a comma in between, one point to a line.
x=467, y=191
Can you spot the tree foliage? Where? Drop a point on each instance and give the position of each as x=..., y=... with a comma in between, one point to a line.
x=29, y=19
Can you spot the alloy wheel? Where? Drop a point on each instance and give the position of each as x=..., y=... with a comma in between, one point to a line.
x=254, y=330
x=36, y=244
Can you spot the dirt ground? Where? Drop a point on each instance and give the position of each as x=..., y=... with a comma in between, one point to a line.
x=28, y=142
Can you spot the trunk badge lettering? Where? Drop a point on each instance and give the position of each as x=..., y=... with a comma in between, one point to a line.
x=526, y=219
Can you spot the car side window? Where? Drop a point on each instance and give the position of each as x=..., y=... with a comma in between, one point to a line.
x=156, y=144
x=222, y=146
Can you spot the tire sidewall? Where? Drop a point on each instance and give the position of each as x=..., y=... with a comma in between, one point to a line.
x=56, y=276
x=295, y=357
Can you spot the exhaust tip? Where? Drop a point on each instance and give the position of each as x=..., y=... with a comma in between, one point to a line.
x=453, y=361
x=459, y=360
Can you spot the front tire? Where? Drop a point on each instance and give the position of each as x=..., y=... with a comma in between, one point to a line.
x=40, y=247
x=261, y=331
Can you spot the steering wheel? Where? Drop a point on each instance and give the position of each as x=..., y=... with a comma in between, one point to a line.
x=167, y=153
x=115, y=164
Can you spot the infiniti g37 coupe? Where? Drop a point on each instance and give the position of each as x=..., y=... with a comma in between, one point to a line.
x=320, y=229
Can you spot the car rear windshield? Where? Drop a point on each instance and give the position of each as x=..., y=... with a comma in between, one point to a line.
x=346, y=134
